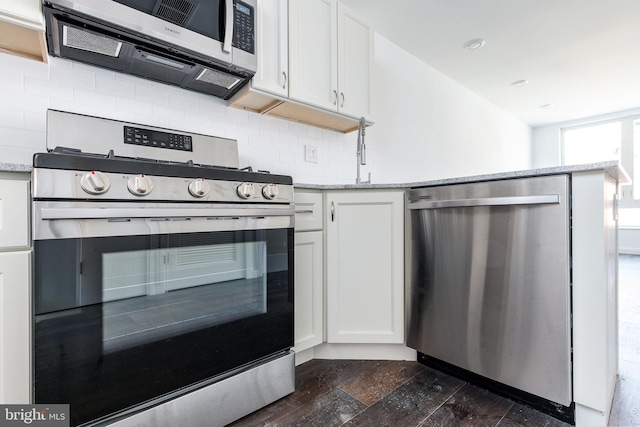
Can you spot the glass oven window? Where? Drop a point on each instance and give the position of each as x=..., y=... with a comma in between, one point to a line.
x=155, y=294
x=127, y=319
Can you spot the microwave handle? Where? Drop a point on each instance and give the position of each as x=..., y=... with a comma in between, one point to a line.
x=228, y=30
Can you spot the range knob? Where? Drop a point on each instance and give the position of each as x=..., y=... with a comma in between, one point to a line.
x=95, y=183
x=270, y=191
x=246, y=190
x=140, y=185
x=199, y=187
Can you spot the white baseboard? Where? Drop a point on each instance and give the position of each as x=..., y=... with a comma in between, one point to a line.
x=365, y=352
x=305, y=356
x=589, y=417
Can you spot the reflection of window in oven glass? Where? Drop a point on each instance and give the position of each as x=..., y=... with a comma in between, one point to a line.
x=155, y=294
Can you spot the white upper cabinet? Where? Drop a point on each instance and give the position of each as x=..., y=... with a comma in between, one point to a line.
x=273, y=52
x=313, y=65
x=313, y=55
x=355, y=52
x=27, y=13
x=329, y=57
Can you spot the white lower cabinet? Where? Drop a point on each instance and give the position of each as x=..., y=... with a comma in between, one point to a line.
x=15, y=284
x=309, y=272
x=15, y=360
x=308, y=292
x=365, y=266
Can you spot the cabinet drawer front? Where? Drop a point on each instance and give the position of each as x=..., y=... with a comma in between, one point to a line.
x=308, y=210
x=14, y=214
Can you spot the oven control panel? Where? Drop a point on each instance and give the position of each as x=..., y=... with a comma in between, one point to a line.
x=157, y=139
x=87, y=185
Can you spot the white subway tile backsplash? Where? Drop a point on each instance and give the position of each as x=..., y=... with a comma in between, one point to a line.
x=212, y=107
x=11, y=154
x=265, y=143
x=36, y=121
x=22, y=138
x=71, y=106
x=80, y=66
x=93, y=98
x=27, y=67
x=11, y=118
x=167, y=112
x=150, y=92
x=74, y=77
x=11, y=81
x=23, y=102
x=183, y=99
x=46, y=88
x=114, y=86
x=129, y=105
x=237, y=116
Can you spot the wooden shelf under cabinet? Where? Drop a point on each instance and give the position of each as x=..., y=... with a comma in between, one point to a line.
x=22, y=41
x=262, y=103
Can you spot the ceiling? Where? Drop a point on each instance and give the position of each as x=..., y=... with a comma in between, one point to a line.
x=580, y=56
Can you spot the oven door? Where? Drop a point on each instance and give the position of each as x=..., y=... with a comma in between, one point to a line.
x=136, y=304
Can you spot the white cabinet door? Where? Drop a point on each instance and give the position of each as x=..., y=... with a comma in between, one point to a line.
x=27, y=13
x=355, y=50
x=313, y=52
x=272, y=49
x=14, y=214
x=308, y=304
x=365, y=266
x=15, y=330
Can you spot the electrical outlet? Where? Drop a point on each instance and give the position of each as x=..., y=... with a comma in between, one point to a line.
x=311, y=154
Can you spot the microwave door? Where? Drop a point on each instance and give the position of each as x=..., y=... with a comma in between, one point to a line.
x=198, y=30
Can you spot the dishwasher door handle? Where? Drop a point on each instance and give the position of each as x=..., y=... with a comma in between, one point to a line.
x=545, y=199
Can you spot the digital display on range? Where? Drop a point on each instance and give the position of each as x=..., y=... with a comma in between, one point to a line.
x=152, y=138
x=242, y=8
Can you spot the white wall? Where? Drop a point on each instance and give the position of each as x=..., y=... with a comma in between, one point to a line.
x=547, y=152
x=426, y=125
x=546, y=143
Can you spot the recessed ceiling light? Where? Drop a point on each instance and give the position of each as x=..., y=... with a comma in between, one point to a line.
x=474, y=44
x=519, y=83
x=545, y=106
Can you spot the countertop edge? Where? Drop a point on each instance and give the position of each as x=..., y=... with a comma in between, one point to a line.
x=612, y=168
x=15, y=167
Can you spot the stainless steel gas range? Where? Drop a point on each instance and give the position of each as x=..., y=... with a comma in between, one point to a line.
x=163, y=276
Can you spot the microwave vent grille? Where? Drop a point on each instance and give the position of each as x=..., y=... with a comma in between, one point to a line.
x=80, y=39
x=218, y=78
x=176, y=11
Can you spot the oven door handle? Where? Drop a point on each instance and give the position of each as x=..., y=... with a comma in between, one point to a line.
x=121, y=212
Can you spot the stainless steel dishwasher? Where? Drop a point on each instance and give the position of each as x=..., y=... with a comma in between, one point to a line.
x=488, y=278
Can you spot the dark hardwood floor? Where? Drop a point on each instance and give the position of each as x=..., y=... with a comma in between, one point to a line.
x=626, y=401
x=396, y=393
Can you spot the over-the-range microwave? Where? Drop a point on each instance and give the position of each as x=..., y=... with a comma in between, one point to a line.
x=202, y=45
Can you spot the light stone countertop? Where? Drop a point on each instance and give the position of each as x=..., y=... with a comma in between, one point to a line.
x=15, y=167
x=612, y=168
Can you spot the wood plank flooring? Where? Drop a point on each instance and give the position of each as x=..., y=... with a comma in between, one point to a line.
x=626, y=400
x=407, y=394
